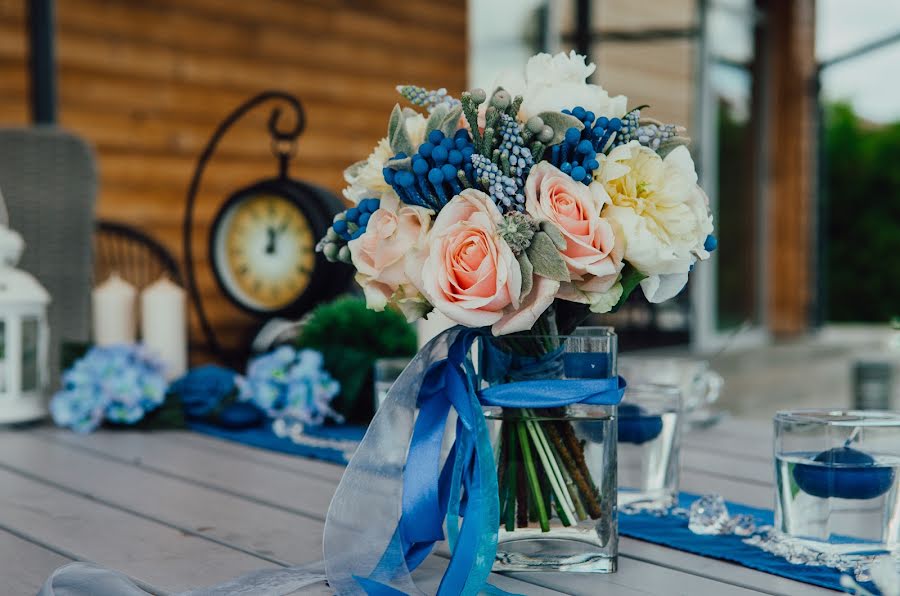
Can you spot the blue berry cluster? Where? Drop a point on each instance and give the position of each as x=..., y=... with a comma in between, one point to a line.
x=630, y=124
x=653, y=135
x=353, y=224
x=503, y=190
x=576, y=155
x=513, y=149
x=440, y=169
x=426, y=98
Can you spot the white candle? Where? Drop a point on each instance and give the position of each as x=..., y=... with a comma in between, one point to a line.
x=164, y=325
x=114, y=317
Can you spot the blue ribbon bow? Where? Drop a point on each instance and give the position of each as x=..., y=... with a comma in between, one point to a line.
x=432, y=494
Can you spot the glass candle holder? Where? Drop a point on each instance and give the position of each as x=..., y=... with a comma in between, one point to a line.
x=700, y=385
x=649, y=430
x=556, y=467
x=837, y=484
x=385, y=372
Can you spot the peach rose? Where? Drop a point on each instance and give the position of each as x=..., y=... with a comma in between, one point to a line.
x=592, y=255
x=468, y=272
x=379, y=255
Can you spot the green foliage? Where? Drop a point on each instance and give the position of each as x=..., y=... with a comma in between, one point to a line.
x=862, y=197
x=631, y=277
x=350, y=338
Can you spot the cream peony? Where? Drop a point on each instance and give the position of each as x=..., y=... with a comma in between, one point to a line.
x=365, y=178
x=592, y=255
x=467, y=271
x=379, y=256
x=554, y=83
x=662, y=213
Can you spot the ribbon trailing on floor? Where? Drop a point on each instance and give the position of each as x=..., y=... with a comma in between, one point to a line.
x=391, y=505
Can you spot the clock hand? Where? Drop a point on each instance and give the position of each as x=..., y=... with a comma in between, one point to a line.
x=270, y=245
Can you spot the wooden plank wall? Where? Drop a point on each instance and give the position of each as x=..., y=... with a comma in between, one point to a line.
x=147, y=81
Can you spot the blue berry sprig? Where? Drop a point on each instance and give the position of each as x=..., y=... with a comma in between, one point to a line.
x=428, y=99
x=515, y=158
x=346, y=226
x=503, y=190
x=630, y=124
x=440, y=169
x=654, y=135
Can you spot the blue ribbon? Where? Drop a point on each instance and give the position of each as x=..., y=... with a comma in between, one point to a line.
x=466, y=487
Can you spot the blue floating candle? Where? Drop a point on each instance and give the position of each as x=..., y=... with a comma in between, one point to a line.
x=636, y=426
x=846, y=474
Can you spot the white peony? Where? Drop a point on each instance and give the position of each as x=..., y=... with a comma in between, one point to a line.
x=662, y=213
x=365, y=178
x=554, y=83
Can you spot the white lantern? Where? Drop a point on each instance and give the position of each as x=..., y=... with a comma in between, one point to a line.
x=24, y=337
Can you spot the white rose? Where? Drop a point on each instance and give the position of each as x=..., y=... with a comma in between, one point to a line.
x=366, y=179
x=661, y=212
x=555, y=83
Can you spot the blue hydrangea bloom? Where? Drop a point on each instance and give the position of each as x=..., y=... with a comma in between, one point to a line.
x=119, y=384
x=291, y=384
x=202, y=389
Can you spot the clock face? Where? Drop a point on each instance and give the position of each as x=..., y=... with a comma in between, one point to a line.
x=264, y=251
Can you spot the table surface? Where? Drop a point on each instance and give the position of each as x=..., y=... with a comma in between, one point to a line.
x=178, y=510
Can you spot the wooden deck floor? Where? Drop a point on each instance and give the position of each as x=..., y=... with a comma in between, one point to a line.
x=177, y=510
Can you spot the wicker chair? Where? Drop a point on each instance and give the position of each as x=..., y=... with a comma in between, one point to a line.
x=49, y=182
x=132, y=254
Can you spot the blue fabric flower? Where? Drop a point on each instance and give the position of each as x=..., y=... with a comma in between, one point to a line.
x=115, y=383
x=203, y=389
x=291, y=384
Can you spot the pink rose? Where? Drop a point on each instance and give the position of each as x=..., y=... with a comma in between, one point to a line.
x=379, y=254
x=468, y=272
x=592, y=255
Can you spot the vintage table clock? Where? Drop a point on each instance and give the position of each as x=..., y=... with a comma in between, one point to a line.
x=263, y=237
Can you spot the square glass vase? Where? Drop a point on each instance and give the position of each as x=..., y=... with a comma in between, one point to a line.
x=556, y=467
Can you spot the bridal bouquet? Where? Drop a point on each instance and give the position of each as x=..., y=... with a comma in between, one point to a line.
x=491, y=208
x=517, y=213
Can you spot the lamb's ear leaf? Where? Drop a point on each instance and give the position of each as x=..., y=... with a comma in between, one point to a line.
x=451, y=121
x=560, y=123
x=545, y=258
x=436, y=119
x=527, y=273
x=555, y=235
x=666, y=147
x=630, y=279
x=397, y=135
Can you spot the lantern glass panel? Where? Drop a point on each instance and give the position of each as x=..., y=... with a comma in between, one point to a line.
x=30, y=365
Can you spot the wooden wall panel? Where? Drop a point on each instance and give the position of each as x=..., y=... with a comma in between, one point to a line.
x=147, y=81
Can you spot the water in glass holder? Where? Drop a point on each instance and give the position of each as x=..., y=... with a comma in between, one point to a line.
x=649, y=429
x=838, y=480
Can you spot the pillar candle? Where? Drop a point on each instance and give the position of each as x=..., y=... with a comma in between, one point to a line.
x=114, y=312
x=164, y=324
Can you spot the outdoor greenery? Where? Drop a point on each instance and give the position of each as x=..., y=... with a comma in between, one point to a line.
x=862, y=198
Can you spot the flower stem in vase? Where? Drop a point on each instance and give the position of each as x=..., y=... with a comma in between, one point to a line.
x=572, y=456
x=533, y=479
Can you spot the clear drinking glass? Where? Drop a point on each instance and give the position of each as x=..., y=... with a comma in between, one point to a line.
x=699, y=384
x=837, y=484
x=386, y=371
x=649, y=429
x=556, y=467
